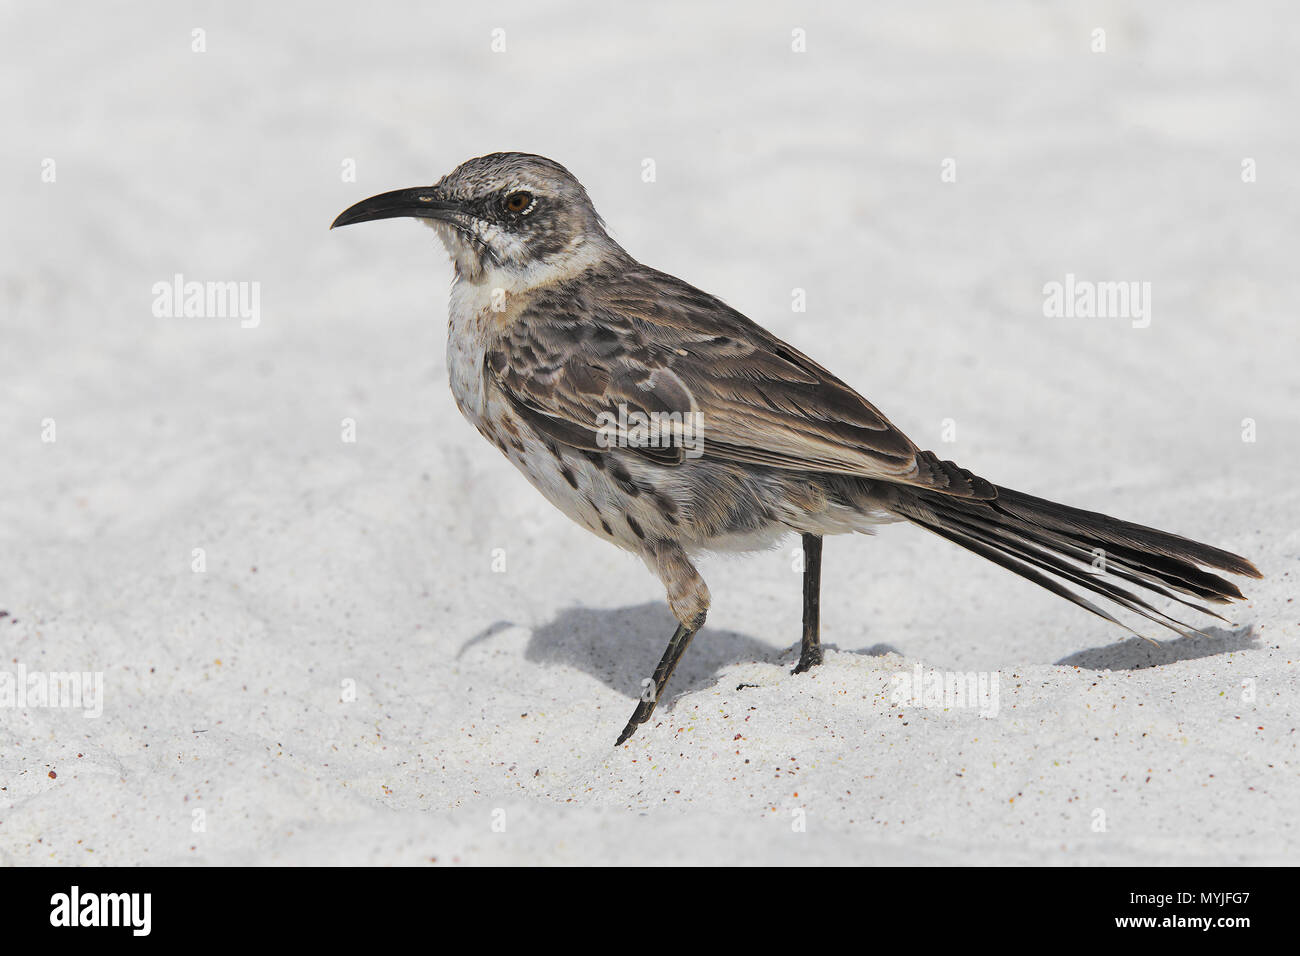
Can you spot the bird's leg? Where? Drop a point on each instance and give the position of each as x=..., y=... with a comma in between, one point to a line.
x=672, y=654
x=688, y=596
x=810, y=654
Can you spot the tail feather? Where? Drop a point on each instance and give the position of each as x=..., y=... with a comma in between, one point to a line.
x=1090, y=580
x=1123, y=533
x=1133, y=566
x=1050, y=543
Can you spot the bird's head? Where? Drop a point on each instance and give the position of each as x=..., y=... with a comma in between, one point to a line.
x=509, y=215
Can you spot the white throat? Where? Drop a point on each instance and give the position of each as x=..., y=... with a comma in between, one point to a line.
x=511, y=276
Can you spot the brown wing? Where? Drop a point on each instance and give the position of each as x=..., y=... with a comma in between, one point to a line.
x=645, y=340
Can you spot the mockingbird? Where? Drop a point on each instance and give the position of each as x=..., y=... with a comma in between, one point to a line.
x=558, y=339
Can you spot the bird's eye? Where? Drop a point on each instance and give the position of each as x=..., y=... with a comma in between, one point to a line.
x=518, y=202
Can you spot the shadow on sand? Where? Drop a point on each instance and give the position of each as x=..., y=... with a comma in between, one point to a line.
x=1135, y=654
x=621, y=646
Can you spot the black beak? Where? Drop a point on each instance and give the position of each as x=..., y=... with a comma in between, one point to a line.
x=421, y=202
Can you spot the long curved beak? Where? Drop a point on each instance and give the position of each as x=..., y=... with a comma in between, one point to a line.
x=420, y=202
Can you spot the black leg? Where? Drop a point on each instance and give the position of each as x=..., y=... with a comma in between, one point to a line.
x=672, y=654
x=811, y=653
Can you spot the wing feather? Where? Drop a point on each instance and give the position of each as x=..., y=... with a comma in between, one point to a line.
x=643, y=340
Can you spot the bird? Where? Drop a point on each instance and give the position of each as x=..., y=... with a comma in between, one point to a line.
x=558, y=340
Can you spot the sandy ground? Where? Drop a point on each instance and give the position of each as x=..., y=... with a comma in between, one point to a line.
x=349, y=680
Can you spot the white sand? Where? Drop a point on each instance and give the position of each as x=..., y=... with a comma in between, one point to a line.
x=370, y=562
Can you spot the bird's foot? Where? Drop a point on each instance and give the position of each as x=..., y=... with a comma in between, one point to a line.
x=810, y=658
x=653, y=688
x=639, y=717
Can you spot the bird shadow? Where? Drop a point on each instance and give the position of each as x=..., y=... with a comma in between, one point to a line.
x=621, y=646
x=1135, y=654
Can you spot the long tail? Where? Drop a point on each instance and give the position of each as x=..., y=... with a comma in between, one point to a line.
x=1052, y=545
